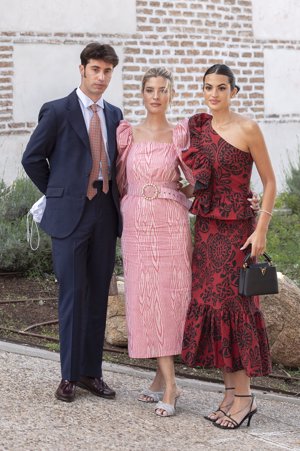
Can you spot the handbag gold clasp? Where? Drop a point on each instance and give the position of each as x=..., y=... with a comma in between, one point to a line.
x=263, y=271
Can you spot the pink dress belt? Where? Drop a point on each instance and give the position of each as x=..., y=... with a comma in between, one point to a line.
x=159, y=190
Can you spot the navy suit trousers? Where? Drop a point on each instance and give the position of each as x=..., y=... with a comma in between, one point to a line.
x=83, y=264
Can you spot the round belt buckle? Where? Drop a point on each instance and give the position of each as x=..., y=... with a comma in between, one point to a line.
x=152, y=187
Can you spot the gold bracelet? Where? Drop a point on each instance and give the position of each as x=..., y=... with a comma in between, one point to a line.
x=265, y=211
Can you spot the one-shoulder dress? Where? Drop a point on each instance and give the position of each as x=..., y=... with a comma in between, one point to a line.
x=223, y=329
x=156, y=241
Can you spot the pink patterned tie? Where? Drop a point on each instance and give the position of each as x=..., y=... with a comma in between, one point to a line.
x=98, y=155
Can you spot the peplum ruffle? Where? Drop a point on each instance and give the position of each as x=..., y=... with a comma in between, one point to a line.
x=200, y=165
x=222, y=173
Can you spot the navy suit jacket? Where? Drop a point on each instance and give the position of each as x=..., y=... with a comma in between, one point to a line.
x=58, y=161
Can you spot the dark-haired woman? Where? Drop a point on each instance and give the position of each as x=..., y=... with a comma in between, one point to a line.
x=223, y=329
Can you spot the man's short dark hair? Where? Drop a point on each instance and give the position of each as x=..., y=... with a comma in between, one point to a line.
x=97, y=51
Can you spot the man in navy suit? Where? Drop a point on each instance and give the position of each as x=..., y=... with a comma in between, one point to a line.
x=83, y=230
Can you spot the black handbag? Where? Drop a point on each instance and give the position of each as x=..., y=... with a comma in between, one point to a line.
x=258, y=278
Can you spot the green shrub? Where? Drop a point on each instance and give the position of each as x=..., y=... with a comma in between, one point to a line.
x=13, y=256
x=292, y=179
x=15, y=253
x=283, y=244
x=293, y=176
x=3, y=188
x=17, y=199
x=284, y=231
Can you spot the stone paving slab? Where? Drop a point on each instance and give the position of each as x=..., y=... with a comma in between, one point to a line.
x=31, y=419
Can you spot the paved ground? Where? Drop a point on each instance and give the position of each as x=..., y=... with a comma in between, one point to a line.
x=31, y=419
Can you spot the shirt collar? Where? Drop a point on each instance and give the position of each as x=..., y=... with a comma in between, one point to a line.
x=86, y=101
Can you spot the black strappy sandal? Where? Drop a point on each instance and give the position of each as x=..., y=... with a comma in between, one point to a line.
x=234, y=424
x=215, y=412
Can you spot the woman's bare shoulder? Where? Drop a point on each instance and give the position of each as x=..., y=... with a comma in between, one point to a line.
x=246, y=124
x=139, y=131
x=137, y=127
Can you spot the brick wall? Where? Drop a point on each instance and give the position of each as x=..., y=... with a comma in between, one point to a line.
x=187, y=36
x=6, y=87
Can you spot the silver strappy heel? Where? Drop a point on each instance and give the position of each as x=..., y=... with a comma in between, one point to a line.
x=155, y=396
x=171, y=410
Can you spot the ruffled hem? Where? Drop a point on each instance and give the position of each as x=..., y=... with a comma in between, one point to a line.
x=154, y=354
x=232, y=341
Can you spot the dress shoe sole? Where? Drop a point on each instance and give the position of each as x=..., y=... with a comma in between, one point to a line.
x=86, y=387
x=62, y=398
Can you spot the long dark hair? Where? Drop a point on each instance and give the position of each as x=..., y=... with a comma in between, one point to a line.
x=222, y=69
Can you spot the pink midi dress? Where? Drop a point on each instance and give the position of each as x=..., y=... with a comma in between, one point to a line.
x=156, y=241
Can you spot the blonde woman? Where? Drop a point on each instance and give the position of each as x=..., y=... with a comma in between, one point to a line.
x=156, y=241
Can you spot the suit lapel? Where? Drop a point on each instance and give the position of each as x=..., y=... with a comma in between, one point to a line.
x=76, y=118
x=78, y=124
x=111, y=131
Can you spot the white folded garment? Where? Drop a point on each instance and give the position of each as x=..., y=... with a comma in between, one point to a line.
x=37, y=211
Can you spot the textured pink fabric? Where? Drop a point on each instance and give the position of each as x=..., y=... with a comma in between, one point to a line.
x=156, y=245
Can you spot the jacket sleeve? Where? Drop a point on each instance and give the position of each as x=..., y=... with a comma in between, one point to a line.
x=39, y=148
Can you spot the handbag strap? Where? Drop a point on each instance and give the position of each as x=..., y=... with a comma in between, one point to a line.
x=265, y=255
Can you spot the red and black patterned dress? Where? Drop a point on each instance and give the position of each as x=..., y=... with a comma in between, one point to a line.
x=223, y=329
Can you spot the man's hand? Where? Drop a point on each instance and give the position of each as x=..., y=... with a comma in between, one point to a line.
x=255, y=202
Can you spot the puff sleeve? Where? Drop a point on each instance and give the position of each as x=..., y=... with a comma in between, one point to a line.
x=181, y=138
x=124, y=142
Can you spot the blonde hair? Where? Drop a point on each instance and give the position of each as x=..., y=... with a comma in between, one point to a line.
x=159, y=72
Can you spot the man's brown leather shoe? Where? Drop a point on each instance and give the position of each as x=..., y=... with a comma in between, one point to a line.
x=66, y=391
x=97, y=386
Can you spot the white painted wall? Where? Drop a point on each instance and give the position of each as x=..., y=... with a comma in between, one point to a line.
x=11, y=150
x=282, y=81
x=283, y=143
x=279, y=19
x=69, y=16
x=276, y=19
x=46, y=72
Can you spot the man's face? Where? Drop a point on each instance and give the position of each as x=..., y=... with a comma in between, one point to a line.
x=95, y=78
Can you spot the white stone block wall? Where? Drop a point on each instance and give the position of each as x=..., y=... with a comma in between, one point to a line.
x=40, y=42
